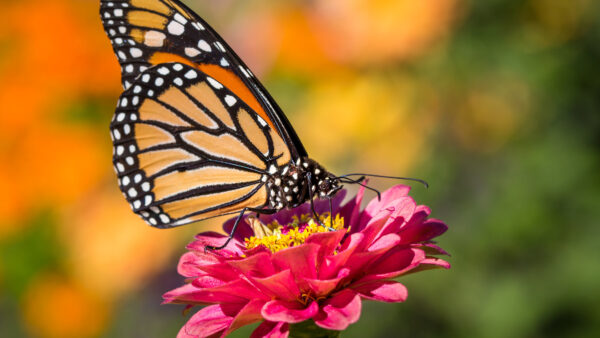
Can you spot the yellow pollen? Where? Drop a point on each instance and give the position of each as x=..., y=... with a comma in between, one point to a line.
x=275, y=236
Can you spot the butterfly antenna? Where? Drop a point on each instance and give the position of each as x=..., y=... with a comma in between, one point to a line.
x=391, y=177
x=345, y=179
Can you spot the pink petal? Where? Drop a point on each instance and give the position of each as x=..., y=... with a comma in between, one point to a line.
x=436, y=262
x=280, y=285
x=322, y=287
x=387, y=197
x=431, y=249
x=271, y=330
x=182, y=291
x=383, y=291
x=211, y=238
x=238, y=291
x=385, y=243
x=258, y=265
x=247, y=315
x=339, y=311
x=374, y=226
x=328, y=241
x=289, y=312
x=420, y=232
x=207, y=282
x=351, y=211
x=222, y=270
x=301, y=260
x=210, y=320
x=242, y=232
x=396, y=262
x=332, y=264
x=239, y=288
x=404, y=209
x=189, y=262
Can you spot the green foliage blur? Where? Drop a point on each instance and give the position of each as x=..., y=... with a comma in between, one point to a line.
x=499, y=111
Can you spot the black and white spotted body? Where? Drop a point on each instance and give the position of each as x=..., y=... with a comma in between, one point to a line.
x=288, y=186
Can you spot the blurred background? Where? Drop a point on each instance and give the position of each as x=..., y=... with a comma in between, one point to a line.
x=495, y=103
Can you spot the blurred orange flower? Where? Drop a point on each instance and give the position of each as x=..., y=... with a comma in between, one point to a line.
x=368, y=122
x=57, y=307
x=56, y=54
x=111, y=250
x=375, y=31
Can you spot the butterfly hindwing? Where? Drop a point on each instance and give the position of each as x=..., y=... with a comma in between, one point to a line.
x=188, y=148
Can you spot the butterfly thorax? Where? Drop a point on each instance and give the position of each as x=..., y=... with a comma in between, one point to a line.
x=288, y=186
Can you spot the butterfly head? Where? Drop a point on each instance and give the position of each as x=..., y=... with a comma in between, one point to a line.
x=329, y=186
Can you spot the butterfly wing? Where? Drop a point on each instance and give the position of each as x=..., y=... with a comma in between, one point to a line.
x=145, y=33
x=187, y=148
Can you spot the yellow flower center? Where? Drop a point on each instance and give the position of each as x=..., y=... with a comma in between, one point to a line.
x=275, y=236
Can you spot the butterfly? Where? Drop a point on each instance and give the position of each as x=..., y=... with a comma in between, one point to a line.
x=195, y=133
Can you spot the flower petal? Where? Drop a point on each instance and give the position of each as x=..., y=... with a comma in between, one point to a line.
x=189, y=262
x=394, y=263
x=322, y=287
x=289, y=312
x=431, y=249
x=269, y=329
x=328, y=241
x=388, y=197
x=243, y=230
x=301, y=260
x=385, y=243
x=383, y=291
x=280, y=285
x=211, y=238
x=339, y=311
x=332, y=264
x=223, y=271
x=238, y=291
x=258, y=265
x=404, y=209
x=247, y=315
x=419, y=232
x=210, y=320
x=351, y=210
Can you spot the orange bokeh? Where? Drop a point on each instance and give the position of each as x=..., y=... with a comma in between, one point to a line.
x=54, y=58
x=57, y=307
x=110, y=249
x=375, y=31
x=358, y=121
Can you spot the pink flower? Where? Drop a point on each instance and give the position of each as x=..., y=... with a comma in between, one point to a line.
x=302, y=271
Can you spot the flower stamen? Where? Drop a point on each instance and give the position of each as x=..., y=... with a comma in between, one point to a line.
x=276, y=237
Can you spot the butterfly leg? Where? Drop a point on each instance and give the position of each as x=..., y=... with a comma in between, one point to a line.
x=235, y=226
x=312, y=204
x=233, y=229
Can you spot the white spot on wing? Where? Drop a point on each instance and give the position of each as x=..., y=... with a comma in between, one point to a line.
x=220, y=46
x=175, y=28
x=230, y=100
x=191, y=74
x=191, y=52
x=180, y=18
x=136, y=52
x=216, y=84
x=204, y=46
x=261, y=121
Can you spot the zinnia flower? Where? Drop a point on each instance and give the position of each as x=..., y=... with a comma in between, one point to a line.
x=291, y=273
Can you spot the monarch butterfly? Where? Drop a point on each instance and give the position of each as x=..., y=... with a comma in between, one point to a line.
x=195, y=134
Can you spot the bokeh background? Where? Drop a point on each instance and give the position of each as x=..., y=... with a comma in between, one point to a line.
x=496, y=103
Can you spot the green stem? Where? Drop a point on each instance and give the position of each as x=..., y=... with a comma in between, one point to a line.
x=308, y=329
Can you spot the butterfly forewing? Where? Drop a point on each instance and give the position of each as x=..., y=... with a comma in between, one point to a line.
x=188, y=148
x=150, y=32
